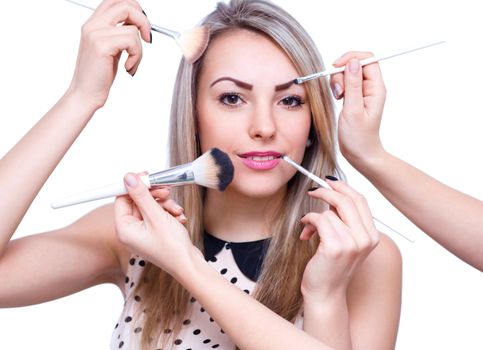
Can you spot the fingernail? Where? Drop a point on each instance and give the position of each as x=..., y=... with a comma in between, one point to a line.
x=131, y=180
x=303, y=216
x=336, y=90
x=313, y=188
x=183, y=217
x=179, y=209
x=354, y=66
x=331, y=178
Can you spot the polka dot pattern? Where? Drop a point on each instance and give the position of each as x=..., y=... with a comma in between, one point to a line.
x=199, y=329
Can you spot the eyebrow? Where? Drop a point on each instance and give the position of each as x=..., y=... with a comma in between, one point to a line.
x=236, y=81
x=247, y=86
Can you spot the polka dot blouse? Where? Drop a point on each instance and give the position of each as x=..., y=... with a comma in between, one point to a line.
x=239, y=263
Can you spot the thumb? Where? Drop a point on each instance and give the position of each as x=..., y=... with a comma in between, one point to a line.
x=353, y=100
x=141, y=196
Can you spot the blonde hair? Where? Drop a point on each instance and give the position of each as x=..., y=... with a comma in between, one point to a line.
x=166, y=301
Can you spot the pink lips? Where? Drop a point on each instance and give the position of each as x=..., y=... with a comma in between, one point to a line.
x=261, y=160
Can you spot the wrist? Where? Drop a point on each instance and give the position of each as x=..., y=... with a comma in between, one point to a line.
x=368, y=162
x=188, y=270
x=83, y=101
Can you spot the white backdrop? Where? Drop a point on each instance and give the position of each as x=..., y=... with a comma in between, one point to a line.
x=433, y=119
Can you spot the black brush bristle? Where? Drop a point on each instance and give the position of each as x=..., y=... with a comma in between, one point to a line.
x=225, y=175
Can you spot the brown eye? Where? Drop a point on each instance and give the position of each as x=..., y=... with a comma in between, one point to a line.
x=230, y=99
x=292, y=101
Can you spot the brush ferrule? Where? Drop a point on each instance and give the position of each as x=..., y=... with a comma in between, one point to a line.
x=162, y=30
x=178, y=175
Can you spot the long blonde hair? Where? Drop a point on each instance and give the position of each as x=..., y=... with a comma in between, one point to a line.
x=166, y=301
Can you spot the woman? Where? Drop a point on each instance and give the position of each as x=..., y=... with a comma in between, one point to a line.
x=335, y=286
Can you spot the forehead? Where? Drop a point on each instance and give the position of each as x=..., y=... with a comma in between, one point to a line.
x=248, y=55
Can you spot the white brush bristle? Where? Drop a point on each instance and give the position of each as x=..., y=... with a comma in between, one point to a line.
x=193, y=42
x=213, y=169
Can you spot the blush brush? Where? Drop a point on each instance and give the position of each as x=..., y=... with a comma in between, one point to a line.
x=192, y=42
x=213, y=169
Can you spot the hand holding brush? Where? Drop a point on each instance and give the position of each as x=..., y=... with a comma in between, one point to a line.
x=192, y=42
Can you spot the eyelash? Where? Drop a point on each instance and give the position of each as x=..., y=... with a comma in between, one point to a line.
x=300, y=102
x=294, y=98
x=225, y=95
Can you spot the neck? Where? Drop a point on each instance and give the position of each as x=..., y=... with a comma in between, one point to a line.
x=237, y=218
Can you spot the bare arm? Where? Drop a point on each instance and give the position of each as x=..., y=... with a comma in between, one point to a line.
x=450, y=217
x=26, y=167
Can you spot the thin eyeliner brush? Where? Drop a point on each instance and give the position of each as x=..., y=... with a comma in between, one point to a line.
x=322, y=183
x=363, y=63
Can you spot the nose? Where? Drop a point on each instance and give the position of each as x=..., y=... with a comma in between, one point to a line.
x=263, y=126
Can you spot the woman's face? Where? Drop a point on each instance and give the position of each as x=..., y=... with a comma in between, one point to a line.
x=246, y=109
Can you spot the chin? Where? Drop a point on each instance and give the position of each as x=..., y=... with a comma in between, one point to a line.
x=264, y=187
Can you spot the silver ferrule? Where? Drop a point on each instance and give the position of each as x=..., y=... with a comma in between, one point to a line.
x=178, y=175
x=162, y=30
x=302, y=80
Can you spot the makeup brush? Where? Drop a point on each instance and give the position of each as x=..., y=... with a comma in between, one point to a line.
x=322, y=183
x=363, y=63
x=213, y=169
x=192, y=42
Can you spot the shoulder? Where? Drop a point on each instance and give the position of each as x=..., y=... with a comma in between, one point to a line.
x=384, y=263
x=379, y=275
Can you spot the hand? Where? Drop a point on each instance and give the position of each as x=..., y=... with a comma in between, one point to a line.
x=102, y=41
x=364, y=94
x=151, y=225
x=347, y=236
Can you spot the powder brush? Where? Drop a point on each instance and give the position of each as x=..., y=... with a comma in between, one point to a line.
x=213, y=169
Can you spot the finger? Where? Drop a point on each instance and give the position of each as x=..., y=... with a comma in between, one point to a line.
x=141, y=197
x=324, y=228
x=362, y=207
x=337, y=85
x=160, y=194
x=345, y=58
x=124, y=211
x=307, y=232
x=343, y=205
x=353, y=95
x=111, y=42
x=371, y=71
x=130, y=13
x=172, y=207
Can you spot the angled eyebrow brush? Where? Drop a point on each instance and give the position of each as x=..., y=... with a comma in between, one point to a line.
x=364, y=62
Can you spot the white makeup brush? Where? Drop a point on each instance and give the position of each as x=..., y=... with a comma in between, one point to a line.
x=322, y=183
x=212, y=169
x=362, y=62
x=192, y=42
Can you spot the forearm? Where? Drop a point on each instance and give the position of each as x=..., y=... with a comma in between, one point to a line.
x=26, y=167
x=452, y=218
x=249, y=323
x=328, y=321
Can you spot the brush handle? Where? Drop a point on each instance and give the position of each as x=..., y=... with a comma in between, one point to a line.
x=363, y=62
x=172, y=33
x=116, y=189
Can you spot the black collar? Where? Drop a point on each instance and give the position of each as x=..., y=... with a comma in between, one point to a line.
x=249, y=256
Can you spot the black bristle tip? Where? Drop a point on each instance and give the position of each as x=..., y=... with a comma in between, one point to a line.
x=296, y=81
x=225, y=175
